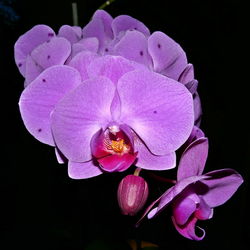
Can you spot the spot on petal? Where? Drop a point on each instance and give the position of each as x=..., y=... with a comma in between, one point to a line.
x=44, y=80
x=106, y=50
x=39, y=130
x=141, y=53
x=159, y=45
x=48, y=57
x=20, y=64
x=50, y=34
x=155, y=112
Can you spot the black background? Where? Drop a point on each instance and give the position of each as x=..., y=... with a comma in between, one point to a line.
x=43, y=208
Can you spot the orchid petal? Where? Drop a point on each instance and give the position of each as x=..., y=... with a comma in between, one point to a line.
x=106, y=20
x=158, y=109
x=183, y=209
x=133, y=46
x=193, y=159
x=90, y=44
x=83, y=170
x=81, y=62
x=70, y=33
x=32, y=70
x=195, y=134
x=29, y=41
x=147, y=160
x=192, y=86
x=123, y=23
x=53, y=52
x=79, y=115
x=203, y=212
x=59, y=156
x=117, y=163
x=222, y=185
x=99, y=27
x=168, y=56
x=40, y=97
x=197, y=109
x=188, y=230
x=112, y=67
x=187, y=75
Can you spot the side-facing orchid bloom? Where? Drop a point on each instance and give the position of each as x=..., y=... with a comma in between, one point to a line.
x=195, y=195
x=38, y=49
x=119, y=116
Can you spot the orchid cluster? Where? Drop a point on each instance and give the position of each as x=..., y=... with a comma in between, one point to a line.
x=113, y=96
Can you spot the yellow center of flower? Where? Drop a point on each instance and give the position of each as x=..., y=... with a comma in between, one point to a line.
x=118, y=146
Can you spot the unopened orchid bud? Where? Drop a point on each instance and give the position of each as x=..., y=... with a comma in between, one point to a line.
x=132, y=194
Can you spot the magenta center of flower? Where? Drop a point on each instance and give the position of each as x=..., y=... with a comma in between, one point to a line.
x=116, y=142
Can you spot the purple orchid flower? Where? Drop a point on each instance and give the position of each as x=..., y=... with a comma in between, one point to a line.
x=40, y=48
x=110, y=115
x=195, y=195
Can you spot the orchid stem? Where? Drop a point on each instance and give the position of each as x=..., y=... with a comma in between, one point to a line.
x=162, y=179
x=137, y=171
x=74, y=14
x=103, y=6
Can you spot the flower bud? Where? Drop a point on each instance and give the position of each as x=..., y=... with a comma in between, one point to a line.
x=132, y=194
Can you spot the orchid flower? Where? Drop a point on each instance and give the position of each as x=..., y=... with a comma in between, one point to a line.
x=195, y=195
x=121, y=114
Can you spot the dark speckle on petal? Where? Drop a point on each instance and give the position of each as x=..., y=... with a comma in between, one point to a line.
x=44, y=80
x=50, y=34
x=159, y=45
x=141, y=53
x=155, y=112
x=106, y=50
x=39, y=130
x=20, y=64
x=48, y=57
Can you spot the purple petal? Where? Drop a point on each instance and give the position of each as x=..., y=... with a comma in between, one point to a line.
x=117, y=163
x=79, y=115
x=39, y=99
x=133, y=46
x=112, y=67
x=197, y=109
x=30, y=40
x=187, y=75
x=81, y=62
x=222, y=185
x=195, y=134
x=192, y=86
x=59, y=156
x=158, y=109
x=54, y=52
x=32, y=70
x=90, y=44
x=123, y=23
x=147, y=160
x=203, y=212
x=83, y=170
x=167, y=55
x=188, y=230
x=106, y=20
x=183, y=209
x=99, y=27
x=70, y=33
x=193, y=159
